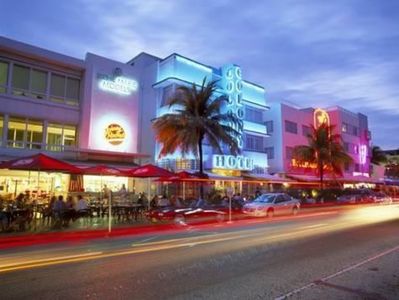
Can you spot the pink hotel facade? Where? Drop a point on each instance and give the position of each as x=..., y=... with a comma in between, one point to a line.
x=289, y=125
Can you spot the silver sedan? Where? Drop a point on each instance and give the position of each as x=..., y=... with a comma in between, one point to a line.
x=272, y=204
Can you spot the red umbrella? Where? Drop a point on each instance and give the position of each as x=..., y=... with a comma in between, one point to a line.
x=104, y=171
x=148, y=171
x=39, y=162
x=179, y=176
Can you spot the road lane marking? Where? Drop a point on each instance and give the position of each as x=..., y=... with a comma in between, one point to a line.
x=147, y=239
x=58, y=258
x=345, y=270
x=314, y=226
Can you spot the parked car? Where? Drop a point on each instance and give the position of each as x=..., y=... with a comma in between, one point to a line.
x=272, y=204
x=349, y=199
x=198, y=212
x=382, y=198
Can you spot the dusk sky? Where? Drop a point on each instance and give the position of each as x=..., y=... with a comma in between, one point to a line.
x=310, y=53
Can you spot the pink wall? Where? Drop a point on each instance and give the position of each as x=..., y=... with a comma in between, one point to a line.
x=102, y=108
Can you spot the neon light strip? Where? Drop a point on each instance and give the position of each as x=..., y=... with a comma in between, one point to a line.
x=252, y=86
x=254, y=127
x=193, y=64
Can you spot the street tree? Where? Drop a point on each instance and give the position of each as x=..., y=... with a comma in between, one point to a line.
x=324, y=150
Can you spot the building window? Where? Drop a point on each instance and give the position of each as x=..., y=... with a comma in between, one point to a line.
x=167, y=93
x=344, y=127
x=1, y=130
x=60, y=136
x=350, y=129
x=254, y=142
x=16, y=132
x=269, y=127
x=306, y=130
x=30, y=82
x=38, y=84
x=289, y=152
x=346, y=167
x=258, y=170
x=357, y=168
x=20, y=80
x=69, y=136
x=355, y=149
x=253, y=115
x=355, y=131
x=57, y=90
x=291, y=127
x=72, y=91
x=64, y=89
x=34, y=136
x=270, y=152
x=3, y=77
x=54, y=137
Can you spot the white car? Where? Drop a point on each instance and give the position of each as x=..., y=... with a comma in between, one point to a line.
x=382, y=198
x=272, y=204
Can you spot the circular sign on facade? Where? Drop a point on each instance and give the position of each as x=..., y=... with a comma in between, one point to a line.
x=321, y=117
x=114, y=134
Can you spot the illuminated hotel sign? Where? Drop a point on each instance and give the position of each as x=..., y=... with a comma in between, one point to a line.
x=232, y=162
x=320, y=117
x=114, y=134
x=306, y=165
x=232, y=86
x=117, y=83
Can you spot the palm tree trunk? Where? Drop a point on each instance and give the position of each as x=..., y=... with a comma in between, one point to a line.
x=201, y=166
x=321, y=171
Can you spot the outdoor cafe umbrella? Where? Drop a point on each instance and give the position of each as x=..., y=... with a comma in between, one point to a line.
x=39, y=162
x=182, y=177
x=149, y=171
x=103, y=170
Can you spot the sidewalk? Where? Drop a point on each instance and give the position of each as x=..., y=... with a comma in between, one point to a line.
x=377, y=278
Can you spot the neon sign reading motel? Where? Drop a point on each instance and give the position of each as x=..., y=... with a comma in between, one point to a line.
x=232, y=162
x=117, y=84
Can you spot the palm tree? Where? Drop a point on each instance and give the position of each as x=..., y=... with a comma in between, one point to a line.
x=198, y=115
x=325, y=150
x=378, y=156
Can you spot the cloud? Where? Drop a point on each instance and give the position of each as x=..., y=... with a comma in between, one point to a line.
x=311, y=52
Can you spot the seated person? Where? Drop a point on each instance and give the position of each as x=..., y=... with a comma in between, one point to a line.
x=81, y=207
x=163, y=201
x=82, y=204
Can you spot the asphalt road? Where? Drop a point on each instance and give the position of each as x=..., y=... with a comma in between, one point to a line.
x=333, y=254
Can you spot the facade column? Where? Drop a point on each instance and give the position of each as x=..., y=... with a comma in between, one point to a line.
x=6, y=118
x=44, y=138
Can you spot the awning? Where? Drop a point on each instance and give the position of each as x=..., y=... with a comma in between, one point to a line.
x=104, y=171
x=149, y=171
x=346, y=179
x=39, y=162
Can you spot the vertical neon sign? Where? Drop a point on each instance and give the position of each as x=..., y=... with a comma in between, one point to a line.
x=362, y=154
x=232, y=86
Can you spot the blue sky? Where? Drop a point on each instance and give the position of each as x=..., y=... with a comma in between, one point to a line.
x=311, y=53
